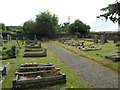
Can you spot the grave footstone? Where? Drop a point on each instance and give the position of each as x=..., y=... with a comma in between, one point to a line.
x=96, y=39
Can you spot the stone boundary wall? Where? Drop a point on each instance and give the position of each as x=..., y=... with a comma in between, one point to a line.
x=110, y=36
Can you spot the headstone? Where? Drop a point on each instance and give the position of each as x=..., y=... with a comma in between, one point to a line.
x=115, y=40
x=103, y=39
x=35, y=39
x=23, y=40
x=96, y=39
x=1, y=40
x=8, y=37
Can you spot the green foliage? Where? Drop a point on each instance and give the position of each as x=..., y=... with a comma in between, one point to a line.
x=79, y=28
x=12, y=53
x=19, y=31
x=112, y=12
x=2, y=26
x=46, y=24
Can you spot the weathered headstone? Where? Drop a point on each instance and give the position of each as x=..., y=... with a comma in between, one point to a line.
x=1, y=40
x=35, y=39
x=8, y=37
x=115, y=40
x=103, y=39
x=96, y=39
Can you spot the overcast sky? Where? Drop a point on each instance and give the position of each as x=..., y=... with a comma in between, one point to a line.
x=16, y=12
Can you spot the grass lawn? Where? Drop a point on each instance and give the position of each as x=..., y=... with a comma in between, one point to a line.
x=72, y=80
x=96, y=55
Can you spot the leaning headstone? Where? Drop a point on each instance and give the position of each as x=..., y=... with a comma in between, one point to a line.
x=96, y=39
x=115, y=40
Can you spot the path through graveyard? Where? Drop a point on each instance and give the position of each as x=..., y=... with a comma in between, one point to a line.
x=92, y=74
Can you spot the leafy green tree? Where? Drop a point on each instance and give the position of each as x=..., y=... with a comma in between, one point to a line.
x=2, y=26
x=46, y=24
x=112, y=12
x=79, y=28
x=29, y=25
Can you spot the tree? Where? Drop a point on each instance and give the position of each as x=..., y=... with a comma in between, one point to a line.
x=29, y=25
x=2, y=26
x=112, y=12
x=46, y=24
x=29, y=28
x=79, y=28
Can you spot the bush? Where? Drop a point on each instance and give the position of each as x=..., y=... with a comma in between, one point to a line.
x=19, y=31
x=12, y=53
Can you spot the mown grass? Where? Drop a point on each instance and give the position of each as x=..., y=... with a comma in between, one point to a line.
x=96, y=55
x=72, y=79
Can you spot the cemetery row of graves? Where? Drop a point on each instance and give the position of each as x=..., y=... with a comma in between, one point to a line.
x=28, y=64
x=98, y=49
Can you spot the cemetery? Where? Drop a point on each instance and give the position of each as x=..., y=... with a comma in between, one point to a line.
x=47, y=53
x=44, y=74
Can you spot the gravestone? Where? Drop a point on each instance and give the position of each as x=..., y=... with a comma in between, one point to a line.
x=1, y=40
x=115, y=40
x=23, y=40
x=103, y=39
x=35, y=39
x=96, y=39
x=8, y=37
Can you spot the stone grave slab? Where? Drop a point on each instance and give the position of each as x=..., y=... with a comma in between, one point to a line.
x=36, y=54
x=115, y=58
x=45, y=75
x=4, y=69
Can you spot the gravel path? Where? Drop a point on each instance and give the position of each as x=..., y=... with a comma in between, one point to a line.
x=92, y=74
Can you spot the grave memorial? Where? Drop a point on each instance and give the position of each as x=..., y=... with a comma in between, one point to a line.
x=96, y=39
x=33, y=75
x=4, y=69
x=103, y=39
x=1, y=41
x=115, y=40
